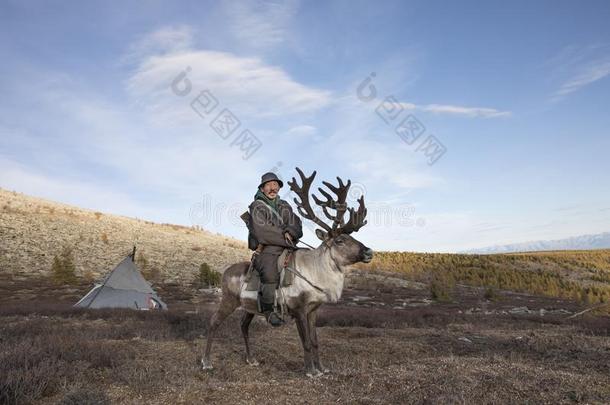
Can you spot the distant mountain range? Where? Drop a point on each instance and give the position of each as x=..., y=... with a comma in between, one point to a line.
x=583, y=242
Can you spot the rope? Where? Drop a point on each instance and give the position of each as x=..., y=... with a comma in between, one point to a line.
x=280, y=290
x=306, y=244
x=296, y=272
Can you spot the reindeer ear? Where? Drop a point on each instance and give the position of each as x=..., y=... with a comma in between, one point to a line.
x=321, y=234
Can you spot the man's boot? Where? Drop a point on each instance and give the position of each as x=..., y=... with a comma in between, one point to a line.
x=271, y=315
x=267, y=299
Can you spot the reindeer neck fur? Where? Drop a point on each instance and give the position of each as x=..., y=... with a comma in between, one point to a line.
x=319, y=268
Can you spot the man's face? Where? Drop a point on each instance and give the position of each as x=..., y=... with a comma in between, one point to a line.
x=271, y=188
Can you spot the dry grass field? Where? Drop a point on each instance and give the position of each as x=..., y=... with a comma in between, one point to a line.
x=383, y=344
x=411, y=328
x=33, y=231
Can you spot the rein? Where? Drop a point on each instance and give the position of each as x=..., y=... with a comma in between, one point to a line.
x=306, y=244
x=296, y=273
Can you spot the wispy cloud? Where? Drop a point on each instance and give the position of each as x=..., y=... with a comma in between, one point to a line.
x=577, y=67
x=475, y=112
x=472, y=112
x=589, y=74
x=259, y=25
x=15, y=176
x=247, y=85
x=385, y=164
x=302, y=130
x=166, y=39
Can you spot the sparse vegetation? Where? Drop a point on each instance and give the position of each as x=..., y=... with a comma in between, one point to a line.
x=66, y=355
x=150, y=272
x=31, y=241
x=584, y=276
x=208, y=277
x=39, y=356
x=88, y=276
x=64, y=270
x=142, y=262
x=491, y=294
x=441, y=286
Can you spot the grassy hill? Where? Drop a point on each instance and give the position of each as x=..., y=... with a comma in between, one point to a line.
x=33, y=231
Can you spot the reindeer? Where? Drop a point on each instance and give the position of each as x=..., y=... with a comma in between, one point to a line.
x=322, y=271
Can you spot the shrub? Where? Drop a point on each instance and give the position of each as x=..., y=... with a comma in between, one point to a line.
x=150, y=273
x=441, y=286
x=104, y=238
x=63, y=269
x=142, y=262
x=208, y=277
x=491, y=294
x=89, y=276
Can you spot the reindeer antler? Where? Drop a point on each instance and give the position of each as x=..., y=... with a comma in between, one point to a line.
x=302, y=192
x=356, y=218
x=337, y=204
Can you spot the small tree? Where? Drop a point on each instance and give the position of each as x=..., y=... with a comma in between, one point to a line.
x=142, y=262
x=208, y=277
x=491, y=294
x=150, y=272
x=441, y=286
x=63, y=269
x=88, y=276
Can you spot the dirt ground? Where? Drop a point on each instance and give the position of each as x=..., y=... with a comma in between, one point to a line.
x=385, y=344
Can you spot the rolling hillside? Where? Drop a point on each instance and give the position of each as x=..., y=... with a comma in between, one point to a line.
x=33, y=231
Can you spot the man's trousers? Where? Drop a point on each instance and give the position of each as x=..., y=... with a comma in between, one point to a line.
x=266, y=264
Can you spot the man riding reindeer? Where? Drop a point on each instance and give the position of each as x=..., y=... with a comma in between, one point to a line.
x=275, y=227
x=319, y=272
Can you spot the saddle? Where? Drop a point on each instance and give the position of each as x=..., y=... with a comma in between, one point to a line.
x=286, y=259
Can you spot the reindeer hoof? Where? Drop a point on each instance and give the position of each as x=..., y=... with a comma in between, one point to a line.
x=252, y=362
x=206, y=365
x=314, y=374
x=322, y=369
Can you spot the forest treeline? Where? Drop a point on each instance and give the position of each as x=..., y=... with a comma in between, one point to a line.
x=579, y=275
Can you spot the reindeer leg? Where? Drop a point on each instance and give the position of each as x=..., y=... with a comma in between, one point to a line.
x=313, y=336
x=302, y=327
x=245, y=325
x=226, y=308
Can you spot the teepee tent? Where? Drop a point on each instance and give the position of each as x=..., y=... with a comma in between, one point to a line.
x=124, y=287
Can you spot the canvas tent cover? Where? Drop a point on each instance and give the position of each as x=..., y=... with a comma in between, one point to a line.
x=124, y=287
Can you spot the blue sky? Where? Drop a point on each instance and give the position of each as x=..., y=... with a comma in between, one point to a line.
x=516, y=93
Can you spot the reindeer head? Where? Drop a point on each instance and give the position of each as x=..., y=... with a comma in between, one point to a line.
x=344, y=249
